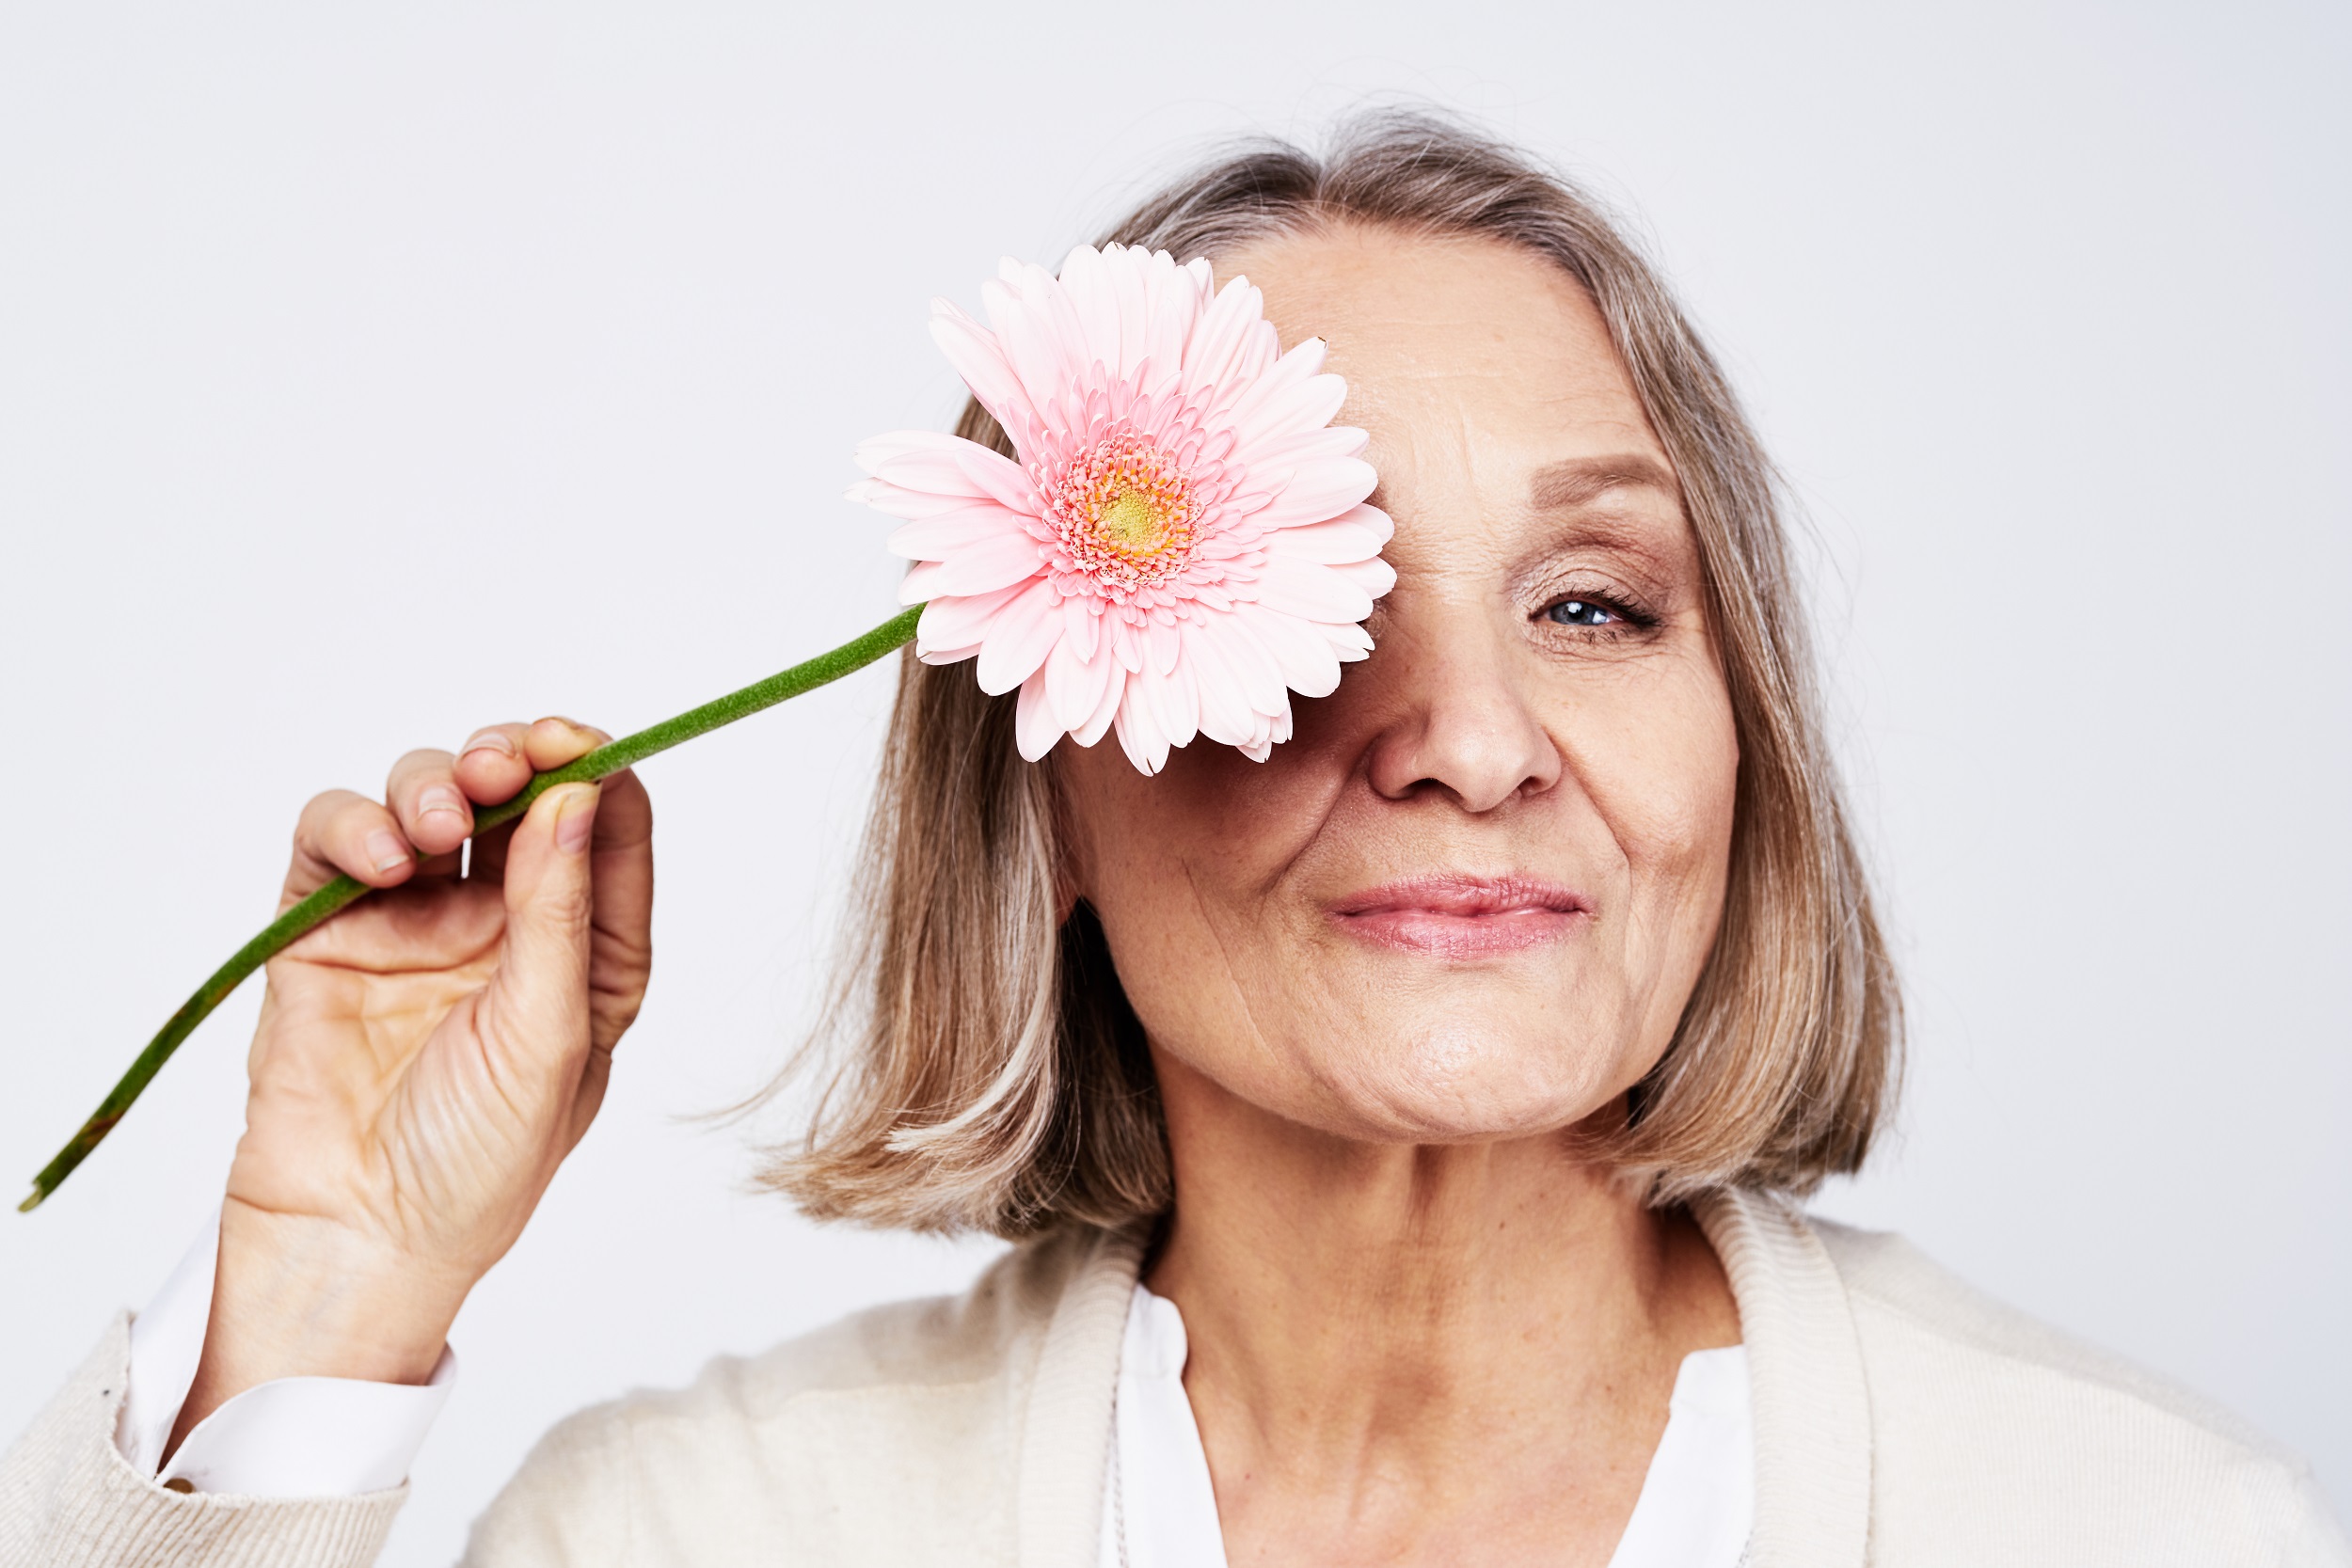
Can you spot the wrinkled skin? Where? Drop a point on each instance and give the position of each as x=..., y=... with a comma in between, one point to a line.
x=1424, y=1328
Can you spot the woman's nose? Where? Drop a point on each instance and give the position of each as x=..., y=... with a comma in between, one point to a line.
x=1459, y=722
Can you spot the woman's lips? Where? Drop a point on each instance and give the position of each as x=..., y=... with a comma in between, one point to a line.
x=1462, y=917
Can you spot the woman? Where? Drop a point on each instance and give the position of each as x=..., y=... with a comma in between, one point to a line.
x=1400, y=1130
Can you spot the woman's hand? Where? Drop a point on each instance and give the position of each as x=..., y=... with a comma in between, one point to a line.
x=426, y=1059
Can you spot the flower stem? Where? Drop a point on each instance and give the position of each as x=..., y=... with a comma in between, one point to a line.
x=342, y=892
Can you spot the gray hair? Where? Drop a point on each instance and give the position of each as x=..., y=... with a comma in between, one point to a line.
x=985, y=1071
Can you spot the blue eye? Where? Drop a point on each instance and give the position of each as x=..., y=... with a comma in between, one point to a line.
x=1581, y=612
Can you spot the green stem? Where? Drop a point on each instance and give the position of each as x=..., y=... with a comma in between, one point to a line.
x=342, y=892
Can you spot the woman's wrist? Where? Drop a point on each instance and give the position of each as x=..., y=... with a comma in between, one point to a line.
x=297, y=1296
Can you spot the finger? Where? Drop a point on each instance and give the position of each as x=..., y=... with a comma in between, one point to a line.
x=547, y=744
x=345, y=832
x=621, y=921
x=553, y=742
x=491, y=766
x=424, y=795
x=537, y=1002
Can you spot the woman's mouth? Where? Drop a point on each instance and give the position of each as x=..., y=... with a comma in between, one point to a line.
x=1462, y=917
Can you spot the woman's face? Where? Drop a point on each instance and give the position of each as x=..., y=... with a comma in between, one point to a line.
x=1470, y=896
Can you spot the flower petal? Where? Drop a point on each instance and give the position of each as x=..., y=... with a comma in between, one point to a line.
x=1209, y=638
x=940, y=536
x=1106, y=711
x=1018, y=639
x=1087, y=281
x=1034, y=727
x=1357, y=535
x=987, y=564
x=1226, y=715
x=1311, y=592
x=1073, y=684
x=1318, y=492
x=1140, y=734
x=1299, y=649
x=1375, y=577
x=1223, y=337
x=978, y=358
x=959, y=622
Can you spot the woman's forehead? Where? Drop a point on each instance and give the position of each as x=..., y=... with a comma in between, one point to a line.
x=1454, y=342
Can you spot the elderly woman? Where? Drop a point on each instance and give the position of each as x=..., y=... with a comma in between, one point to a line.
x=1400, y=1133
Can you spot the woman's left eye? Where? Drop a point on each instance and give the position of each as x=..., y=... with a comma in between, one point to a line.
x=1581, y=612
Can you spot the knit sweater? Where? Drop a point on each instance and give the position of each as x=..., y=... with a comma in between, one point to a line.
x=1901, y=1419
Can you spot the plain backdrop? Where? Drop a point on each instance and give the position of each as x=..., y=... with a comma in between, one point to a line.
x=368, y=373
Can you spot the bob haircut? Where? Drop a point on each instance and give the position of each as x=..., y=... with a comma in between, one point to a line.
x=979, y=1064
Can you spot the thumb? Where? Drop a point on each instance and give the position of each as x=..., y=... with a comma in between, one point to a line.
x=541, y=988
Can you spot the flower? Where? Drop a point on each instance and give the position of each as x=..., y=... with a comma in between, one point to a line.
x=1183, y=541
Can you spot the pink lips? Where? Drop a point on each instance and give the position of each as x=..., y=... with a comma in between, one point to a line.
x=1462, y=917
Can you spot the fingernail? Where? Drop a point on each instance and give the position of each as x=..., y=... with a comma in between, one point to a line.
x=440, y=797
x=386, y=851
x=488, y=740
x=578, y=820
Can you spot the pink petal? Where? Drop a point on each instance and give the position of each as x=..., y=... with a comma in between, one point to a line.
x=961, y=622
x=1025, y=328
x=1034, y=729
x=909, y=505
x=1275, y=406
x=920, y=584
x=1169, y=299
x=1282, y=453
x=1298, y=648
x=1087, y=281
x=1165, y=644
x=1135, y=316
x=1074, y=686
x=997, y=561
x=1318, y=492
x=999, y=478
x=1239, y=403
x=937, y=538
x=1375, y=577
x=1175, y=703
x=1352, y=538
x=1018, y=639
x=1139, y=735
x=978, y=358
x=1227, y=716
x=948, y=466
x=1081, y=625
x=1311, y=592
x=1114, y=695
x=1217, y=342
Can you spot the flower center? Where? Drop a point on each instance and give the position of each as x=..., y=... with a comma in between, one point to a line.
x=1132, y=523
x=1124, y=511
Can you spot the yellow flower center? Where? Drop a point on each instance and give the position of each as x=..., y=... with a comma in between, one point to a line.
x=1132, y=523
x=1125, y=512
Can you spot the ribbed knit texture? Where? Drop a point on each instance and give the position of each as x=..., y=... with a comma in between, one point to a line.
x=1901, y=1421
x=1806, y=1382
x=1066, y=1435
x=68, y=1499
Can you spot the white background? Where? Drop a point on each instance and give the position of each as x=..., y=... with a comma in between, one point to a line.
x=365, y=376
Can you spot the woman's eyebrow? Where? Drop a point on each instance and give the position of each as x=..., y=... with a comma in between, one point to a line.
x=1580, y=480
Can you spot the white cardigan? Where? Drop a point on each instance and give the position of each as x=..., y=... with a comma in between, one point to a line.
x=1901, y=1419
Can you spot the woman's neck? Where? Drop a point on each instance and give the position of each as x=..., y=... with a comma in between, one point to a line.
x=1422, y=1352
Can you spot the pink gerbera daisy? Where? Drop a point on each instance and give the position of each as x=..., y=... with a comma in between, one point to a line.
x=1183, y=542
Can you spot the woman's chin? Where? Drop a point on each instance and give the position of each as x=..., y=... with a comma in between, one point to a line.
x=1464, y=1086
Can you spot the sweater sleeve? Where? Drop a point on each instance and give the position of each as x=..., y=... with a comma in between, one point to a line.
x=2313, y=1537
x=68, y=1499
